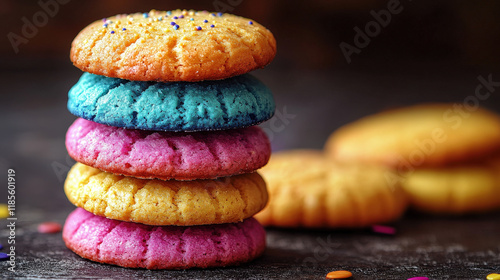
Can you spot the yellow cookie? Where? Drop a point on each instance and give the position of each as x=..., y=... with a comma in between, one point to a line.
x=460, y=189
x=308, y=190
x=418, y=136
x=157, y=202
x=175, y=45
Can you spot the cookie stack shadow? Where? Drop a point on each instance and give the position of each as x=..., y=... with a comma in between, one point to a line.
x=166, y=142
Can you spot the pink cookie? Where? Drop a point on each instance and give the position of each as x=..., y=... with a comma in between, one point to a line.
x=162, y=247
x=168, y=155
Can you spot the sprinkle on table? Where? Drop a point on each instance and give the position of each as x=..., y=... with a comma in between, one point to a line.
x=3, y=257
x=4, y=211
x=339, y=274
x=49, y=227
x=383, y=229
x=493, y=276
x=418, y=278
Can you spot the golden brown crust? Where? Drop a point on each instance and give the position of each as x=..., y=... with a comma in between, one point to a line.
x=308, y=190
x=157, y=202
x=417, y=136
x=152, y=50
x=458, y=189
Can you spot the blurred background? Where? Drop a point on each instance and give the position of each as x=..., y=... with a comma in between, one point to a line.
x=337, y=61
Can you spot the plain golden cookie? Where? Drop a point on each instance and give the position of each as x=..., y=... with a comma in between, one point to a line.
x=176, y=45
x=417, y=136
x=463, y=189
x=157, y=202
x=308, y=190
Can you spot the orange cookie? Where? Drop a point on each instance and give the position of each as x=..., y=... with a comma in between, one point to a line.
x=418, y=136
x=308, y=190
x=176, y=45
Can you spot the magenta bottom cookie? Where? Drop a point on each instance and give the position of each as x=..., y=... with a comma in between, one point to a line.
x=162, y=247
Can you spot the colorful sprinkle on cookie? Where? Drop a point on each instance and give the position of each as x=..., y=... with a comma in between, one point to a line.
x=149, y=51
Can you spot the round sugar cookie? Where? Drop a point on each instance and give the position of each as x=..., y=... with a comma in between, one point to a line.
x=168, y=155
x=458, y=189
x=210, y=105
x=308, y=190
x=157, y=202
x=176, y=45
x=417, y=136
x=167, y=247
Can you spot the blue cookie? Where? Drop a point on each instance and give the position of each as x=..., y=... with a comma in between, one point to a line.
x=178, y=106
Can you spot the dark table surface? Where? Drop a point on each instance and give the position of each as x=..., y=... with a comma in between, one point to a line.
x=34, y=119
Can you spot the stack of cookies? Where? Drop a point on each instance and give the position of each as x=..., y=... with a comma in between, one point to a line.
x=166, y=143
x=445, y=155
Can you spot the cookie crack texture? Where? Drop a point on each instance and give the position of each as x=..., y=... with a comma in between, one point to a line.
x=101, y=240
x=210, y=105
x=219, y=247
x=154, y=51
x=168, y=155
x=136, y=245
x=249, y=49
x=157, y=202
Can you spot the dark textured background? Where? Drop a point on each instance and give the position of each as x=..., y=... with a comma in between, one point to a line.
x=431, y=51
